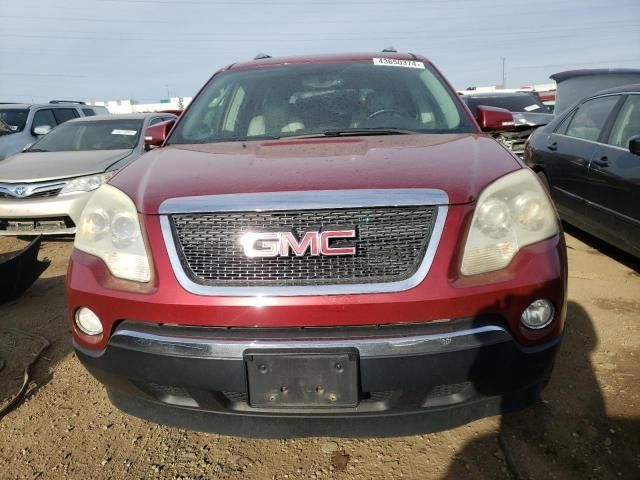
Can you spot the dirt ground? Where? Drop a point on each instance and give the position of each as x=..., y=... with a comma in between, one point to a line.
x=587, y=425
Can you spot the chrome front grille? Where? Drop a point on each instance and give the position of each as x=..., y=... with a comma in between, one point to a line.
x=390, y=245
x=395, y=233
x=47, y=194
x=15, y=191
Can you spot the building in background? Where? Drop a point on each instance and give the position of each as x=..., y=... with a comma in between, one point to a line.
x=131, y=106
x=534, y=87
x=546, y=92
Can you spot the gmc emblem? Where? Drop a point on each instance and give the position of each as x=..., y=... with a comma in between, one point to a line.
x=283, y=244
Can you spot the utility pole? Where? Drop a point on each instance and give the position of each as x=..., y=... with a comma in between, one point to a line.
x=504, y=73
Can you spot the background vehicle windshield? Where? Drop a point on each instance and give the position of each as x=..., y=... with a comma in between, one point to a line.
x=12, y=120
x=91, y=135
x=513, y=103
x=313, y=99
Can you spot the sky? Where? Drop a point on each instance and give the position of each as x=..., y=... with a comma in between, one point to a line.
x=147, y=50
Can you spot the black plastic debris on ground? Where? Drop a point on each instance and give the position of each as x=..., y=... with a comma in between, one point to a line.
x=18, y=270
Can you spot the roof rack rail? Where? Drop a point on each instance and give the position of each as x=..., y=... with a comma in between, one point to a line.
x=389, y=49
x=261, y=56
x=77, y=102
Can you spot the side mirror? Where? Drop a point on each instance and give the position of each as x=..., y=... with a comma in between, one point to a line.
x=41, y=130
x=494, y=119
x=634, y=145
x=157, y=134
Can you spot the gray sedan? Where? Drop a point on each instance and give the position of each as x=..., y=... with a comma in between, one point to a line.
x=44, y=189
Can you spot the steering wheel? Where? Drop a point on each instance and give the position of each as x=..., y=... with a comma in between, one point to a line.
x=386, y=110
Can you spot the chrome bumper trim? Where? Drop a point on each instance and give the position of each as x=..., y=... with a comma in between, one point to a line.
x=368, y=347
x=36, y=233
x=305, y=200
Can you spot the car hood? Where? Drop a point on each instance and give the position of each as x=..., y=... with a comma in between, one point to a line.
x=44, y=166
x=11, y=143
x=461, y=165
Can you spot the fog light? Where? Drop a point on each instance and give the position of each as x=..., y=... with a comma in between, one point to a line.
x=88, y=322
x=538, y=315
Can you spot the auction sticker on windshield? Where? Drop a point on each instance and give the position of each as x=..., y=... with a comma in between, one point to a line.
x=396, y=62
x=124, y=132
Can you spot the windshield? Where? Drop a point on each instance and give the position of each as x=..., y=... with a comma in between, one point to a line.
x=12, y=120
x=320, y=99
x=114, y=134
x=513, y=103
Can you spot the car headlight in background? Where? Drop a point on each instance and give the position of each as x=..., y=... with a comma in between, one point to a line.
x=88, y=183
x=511, y=213
x=109, y=228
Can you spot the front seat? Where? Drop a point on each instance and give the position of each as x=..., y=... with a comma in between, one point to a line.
x=276, y=118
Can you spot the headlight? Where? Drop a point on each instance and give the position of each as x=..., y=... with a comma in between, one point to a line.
x=511, y=213
x=88, y=183
x=109, y=229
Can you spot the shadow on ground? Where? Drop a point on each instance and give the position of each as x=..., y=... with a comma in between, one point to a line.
x=603, y=247
x=37, y=316
x=567, y=434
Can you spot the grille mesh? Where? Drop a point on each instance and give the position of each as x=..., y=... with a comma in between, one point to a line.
x=390, y=245
x=47, y=194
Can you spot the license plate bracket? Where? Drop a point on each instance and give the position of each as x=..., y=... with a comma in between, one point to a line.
x=302, y=380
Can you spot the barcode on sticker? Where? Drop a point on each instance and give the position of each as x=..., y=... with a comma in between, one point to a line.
x=124, y=132
x=395, y=62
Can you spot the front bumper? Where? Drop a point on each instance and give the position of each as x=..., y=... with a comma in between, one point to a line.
x=537, y=271
x=63, y=208
x=412, y=378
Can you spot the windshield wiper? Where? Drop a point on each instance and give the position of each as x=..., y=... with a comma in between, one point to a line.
x=326, y=133
x=369, y=131
x=249, y=138
x=357, y=131
x=228, y=139
x=36, y=150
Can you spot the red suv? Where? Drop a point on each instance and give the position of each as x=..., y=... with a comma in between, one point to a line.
x=323, y=245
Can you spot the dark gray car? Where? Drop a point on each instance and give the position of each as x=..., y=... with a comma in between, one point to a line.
x=44, y=189
x=589, y=157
